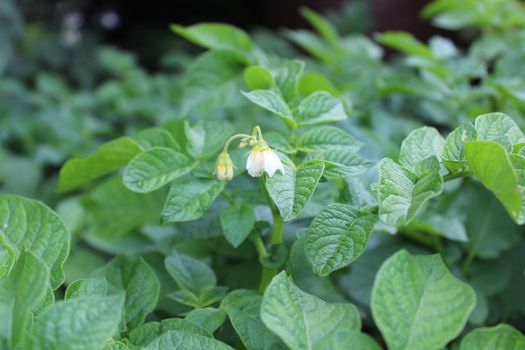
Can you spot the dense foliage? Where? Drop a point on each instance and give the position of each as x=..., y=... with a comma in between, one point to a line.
x=388, y=214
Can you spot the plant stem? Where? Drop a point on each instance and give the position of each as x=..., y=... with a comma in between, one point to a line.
x=267, y=273
x=450, y=177
x=232, y=138
x=277, y=231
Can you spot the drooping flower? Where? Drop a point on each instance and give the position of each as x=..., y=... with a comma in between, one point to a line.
x=224, y=167
x=261, y=159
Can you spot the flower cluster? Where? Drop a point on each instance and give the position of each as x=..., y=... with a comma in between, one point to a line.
x=260, y=159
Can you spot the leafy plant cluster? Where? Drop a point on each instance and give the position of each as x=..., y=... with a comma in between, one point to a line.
x=379, y=232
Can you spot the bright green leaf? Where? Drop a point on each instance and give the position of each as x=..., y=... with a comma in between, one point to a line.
x=273, y=102
x=337, y=236
x=156, y=137
x=453, y=155
x=205, y=139
x=420, y=144
x=324, y=138
x=258, y=78
x=185, y=341
x=321, y=107
x=190, y=274
x=148, y=332
x=418, y=304
x=237, y=222
x=501, y=337
x=499, y=128
x=406, y=43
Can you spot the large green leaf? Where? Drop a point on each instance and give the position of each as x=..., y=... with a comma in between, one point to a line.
x=501, y=337
x=205, y=139
x=78, y=324
x=273, y=102
x=243, y=309
x=402, y=193
x=216, y=36
x=320, y=107
x=292, y=190
x=325, y=138
x=258, y=78
x=109, y=157
x=499, y=128
x=304, y=321
x=189, y=199
x=337, y=236
x=181, y=340
x=491, y=164
x=138, y=281
x=156, y=137
x=453, y=155
x=406, y=43
x=341, y=163
x=418, y=304
x=237, y=222
x=26, y=288
x=7, y=255
x=114, y=211
x=419, y=145
x=208, y=318
x=30, y=225
x=148, y=332
x=154, y=168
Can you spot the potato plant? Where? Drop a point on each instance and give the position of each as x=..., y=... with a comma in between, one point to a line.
x=331, y=201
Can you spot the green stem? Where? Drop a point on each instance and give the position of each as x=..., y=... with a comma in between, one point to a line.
x=267, y=273
x=277, y=231
x=232, y=138
x=450, y=177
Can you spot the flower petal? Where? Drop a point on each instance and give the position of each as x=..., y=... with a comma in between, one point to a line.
x=255, y=163
x=272, y=163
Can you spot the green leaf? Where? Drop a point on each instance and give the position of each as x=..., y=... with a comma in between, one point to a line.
x=109, y=157
x=189, y=199
x=87, y=287
x=185, y=341
x=154, y=168
x=322, y=26
x=190, y=274
x=140, y=284
x=237, y=222
x=361, y=341
x=321, y=107
x=301, y=320
x=340, y=163
x=406, y=43
x=148, y=332
x=501, y=336
x=114, y=211
x=292, y=191
x=81, y=323
x=208, y=318
x=499, y=128
x=156, y=137
x=28, y=284
x=419, y=145
x=258, y=78
x=7, y=255
x=453, y=155
x=337, y=236
x=402, y=193
x=324, y=138
x=418, y=304
x=206, y=297
x=312, y=82
x=491, y=164
x=243, y=309
x=30, y=225
x=287, y=74
x=273, y=102
x=216, y=36
x=205, y=139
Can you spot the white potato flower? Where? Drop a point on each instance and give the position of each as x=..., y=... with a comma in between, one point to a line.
x=261, y=159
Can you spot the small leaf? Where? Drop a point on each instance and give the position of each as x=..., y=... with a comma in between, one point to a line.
x=419, y=145
x=237, y=222
x=258, y=78
x=301, y=320
x=109, y=157
x=453, y=154
x=29, y=224
x=273, y=102
x=491, y=164
x=81, y=323
x=501, y=336
x=185, y=340
x=205, y=139
x=322, y=26
x=188, y=200
x=324, y=138
x=190, y=274
x=499, y=128
x=293, y=190
x=148, y=332
x=321, y=107
x=216, y=36
x=156, y=137
x=402, y=193
x=340, y=163
x=337, y=236
x=406, y=43
x=418, y=304
x=312, y=82
x=287, y=74
x=208, y=318
x=243, y=309
x=139, y=282
x=154, y=168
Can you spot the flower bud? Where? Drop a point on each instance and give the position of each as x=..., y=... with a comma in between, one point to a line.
x=224, y=167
